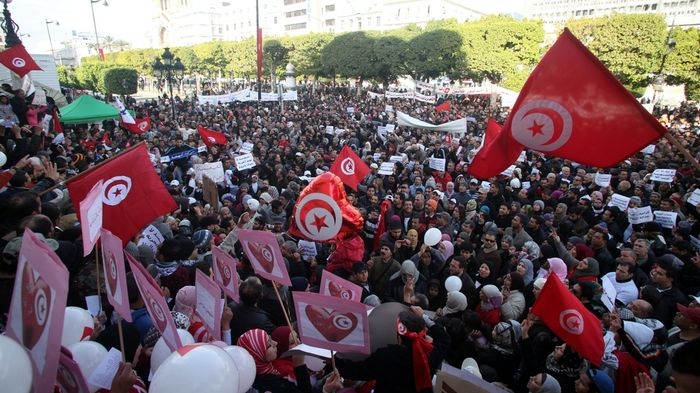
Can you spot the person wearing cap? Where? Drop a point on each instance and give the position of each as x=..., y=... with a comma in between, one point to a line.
x=405, y=367
x=381, y=268
x=687, y=320
x=594, y=380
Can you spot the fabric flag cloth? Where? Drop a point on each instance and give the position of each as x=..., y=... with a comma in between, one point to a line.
x=322, y=212
x=210, y=137
x=55, y=120
x=35, y=318
x=496, y=153
x=592, y=119
x=132, y=193
x=156, y=306
x=140, y=126
x=332, y=323
x=443, y=106
x=567, y=317
x=263, y=252
x=124, y=114
x=349, y=167
x=115, y=273
x=18, y=60
x=259, y=48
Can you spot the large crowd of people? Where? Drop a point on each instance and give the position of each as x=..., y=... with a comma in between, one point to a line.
x=503, y=238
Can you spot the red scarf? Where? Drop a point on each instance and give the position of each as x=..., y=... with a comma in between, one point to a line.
x=255, y=342
x=420, y=348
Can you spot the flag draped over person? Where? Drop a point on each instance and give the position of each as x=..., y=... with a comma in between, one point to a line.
x=572, y=107
x=132, y=193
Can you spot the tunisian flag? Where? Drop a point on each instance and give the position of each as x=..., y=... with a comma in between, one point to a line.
x=572, y=107
x=18, y=60
x=132, y=193
x=566, y=316
x=139, y=126
x=443, y=106
x=349, y=167
x=322, y=212
x=210, y=137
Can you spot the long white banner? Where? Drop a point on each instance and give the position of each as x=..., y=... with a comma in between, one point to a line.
x=458, y=126
x=247, y=95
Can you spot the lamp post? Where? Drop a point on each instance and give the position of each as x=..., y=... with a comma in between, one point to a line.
x=10, y=28
x=94, y=24
x=660, y=78
x=171, y=69
x=48, y=31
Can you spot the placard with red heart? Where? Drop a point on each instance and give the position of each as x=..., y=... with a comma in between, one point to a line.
x=115, y=273
x=263, y=252
x=336, y=286
x=332, y=323
x=35, y=317
x=225, y=274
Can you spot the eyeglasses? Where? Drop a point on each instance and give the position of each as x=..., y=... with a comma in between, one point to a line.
x=490, y=240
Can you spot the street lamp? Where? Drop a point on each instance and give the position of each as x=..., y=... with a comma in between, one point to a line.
x=660, y=78
x=171, y=69
x=94, y=24
x=48, y=22
x=10, y=28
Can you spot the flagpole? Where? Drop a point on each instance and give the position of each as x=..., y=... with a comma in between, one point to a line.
x=284, y=310
x=81, y=174
x=121, y=338
x=683, y=150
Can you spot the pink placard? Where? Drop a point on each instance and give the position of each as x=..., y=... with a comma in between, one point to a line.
x=115, y=273
x=69, y=377
x=155, y=304
x=225, y=274
x=35, y=319
x=265, y=255
x=332, y=285
x=209, y=306
x=332, y=323
x=91, y=217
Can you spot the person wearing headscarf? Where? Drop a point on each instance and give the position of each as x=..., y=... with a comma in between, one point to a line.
x=514, y=302
x=565, y=365
x=543, y=383
x=269, y=378
x=456, y=303
x=486, y=275
x=186, y=302
x=586, y=270
x=525, y=269
x=405, y=367
x=489, y=307
x=503, y=355
x=404, y=284
x=557, y=268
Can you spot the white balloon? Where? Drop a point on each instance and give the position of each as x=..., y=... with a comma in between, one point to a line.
x=453, y=283
x=16, y=370
x=3, y=159
x=196, y=368
x=77, y=326
x=432, y=237
x=314, y=363
x=161, y=351
x=88, y=355
x=245, y=365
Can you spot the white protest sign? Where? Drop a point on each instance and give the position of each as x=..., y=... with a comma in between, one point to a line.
x=649, y=149
x=666, y=219
x=152, y=238
x=526, y=185
x=508, y=171
x=521, y=157
x=663, y=175
x=330, y=129
x=212, y=170
x=694, y=198
x=390, y=127
x=388, y=108
x=376, y=156
x=396, y=158
x=486, y=185
x=247, y=147
x=436, y=163
x=244, y=161
x=603, y=179
x=103, y=375
x=351, y=109
x=609, y=293
x=640, y=215
x=620, y=201
x=307, y=249
x=387, y=168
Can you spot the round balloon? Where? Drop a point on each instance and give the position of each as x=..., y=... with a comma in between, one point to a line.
x=77, y=326
x=245, y=365
x=161, y=350
x=314, y=363
x=88, y=355
x=432, y=237
x=196, y=368
x=453, y=283
x=3, y=159
x=16, y=370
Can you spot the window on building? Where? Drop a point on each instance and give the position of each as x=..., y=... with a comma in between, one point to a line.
x=295, y=26
x=330, y=22
x=379, y=21
x=330, y=8
x=292, y=14
x=275, y=20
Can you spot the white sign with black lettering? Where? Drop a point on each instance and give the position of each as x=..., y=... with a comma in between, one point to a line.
x=603, y=179
x=666, y=219
x=620, y=201
x=649, y=149
x=152, y=238
x=436, y=163
x=694, y=198
x=509, y=171
x=212, y=170
x=387, y=168
x=663, y=175
x=640, y=215
x=246, y=147
x=244, y=161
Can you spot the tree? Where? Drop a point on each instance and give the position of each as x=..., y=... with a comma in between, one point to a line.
x=274, y=55
x=89, y=75
x=67, y=77
x=305, y=52
x=119, y=80
x=683, y=62
x=121, y=45
x=435, y=53
x=390, y=54
x=350, y=55
x=629, y=45
x=108, y=43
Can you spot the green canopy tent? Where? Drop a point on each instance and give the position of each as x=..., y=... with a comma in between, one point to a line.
x=86, y=109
